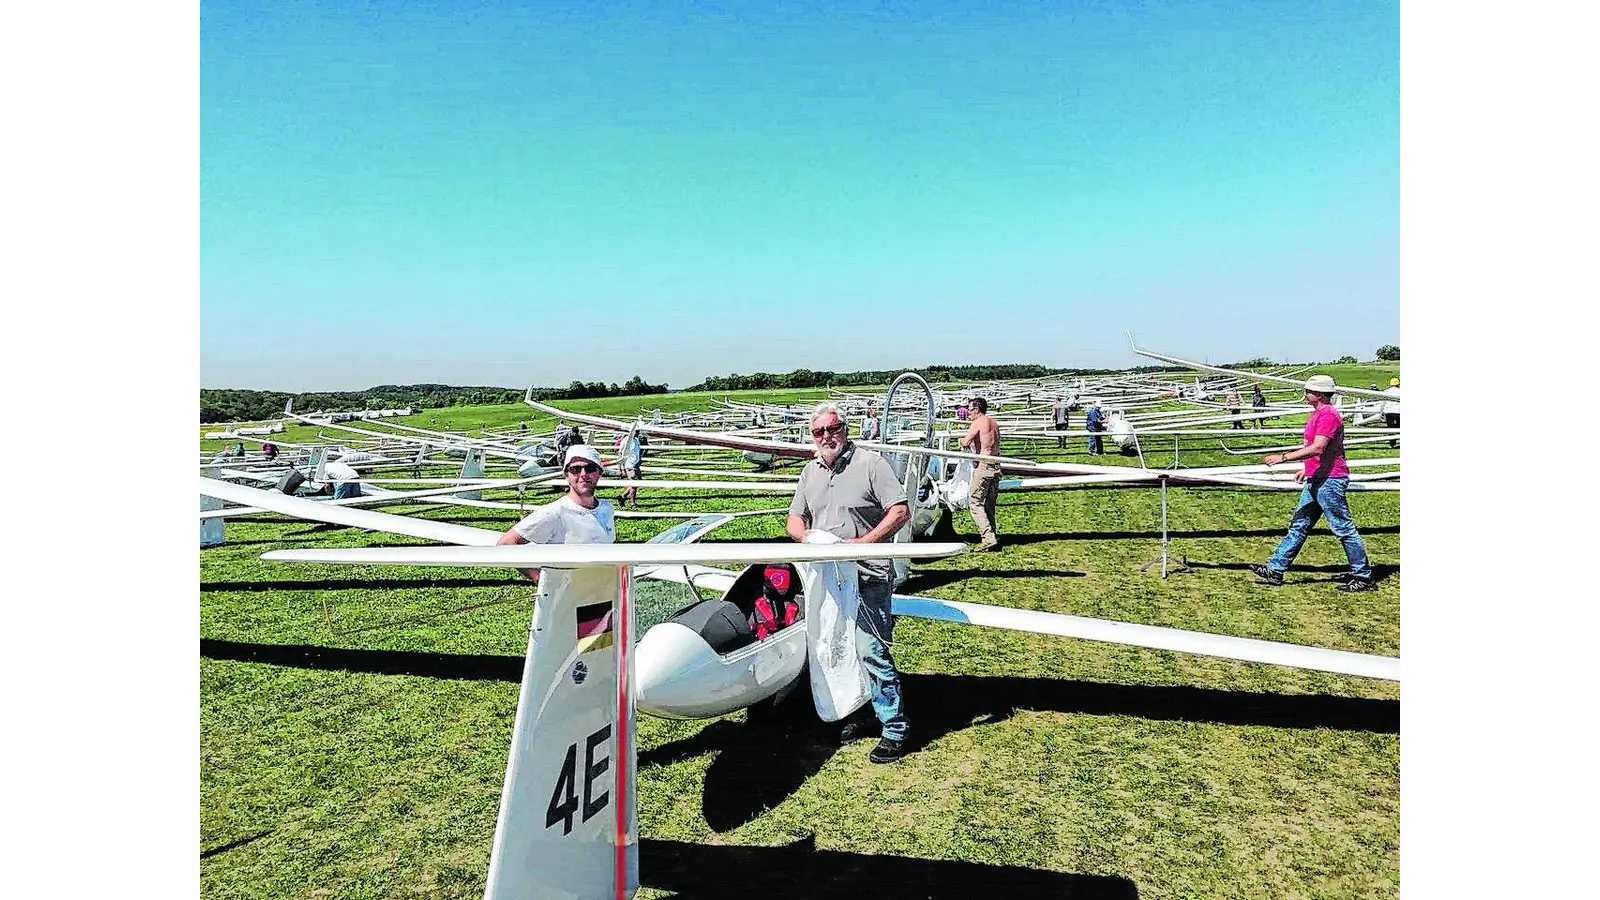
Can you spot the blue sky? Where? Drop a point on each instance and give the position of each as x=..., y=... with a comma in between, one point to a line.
x=506, y=193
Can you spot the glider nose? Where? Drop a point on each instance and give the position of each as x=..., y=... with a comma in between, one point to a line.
x=665, y=662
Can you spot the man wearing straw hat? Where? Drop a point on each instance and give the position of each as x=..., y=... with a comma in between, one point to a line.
x=1326, y=479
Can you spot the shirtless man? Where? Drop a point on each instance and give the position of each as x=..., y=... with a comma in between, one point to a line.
x=983, y=438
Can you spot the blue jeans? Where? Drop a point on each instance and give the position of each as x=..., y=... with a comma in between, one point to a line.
x=1325, y=497
x=874, y=634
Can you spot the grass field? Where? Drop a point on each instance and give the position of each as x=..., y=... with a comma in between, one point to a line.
x=366, y=761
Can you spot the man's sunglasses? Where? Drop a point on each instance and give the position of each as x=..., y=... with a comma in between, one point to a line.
x=835, y=428
x=586, y=469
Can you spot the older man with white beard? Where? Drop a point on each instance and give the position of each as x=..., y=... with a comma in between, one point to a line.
x=852, y=494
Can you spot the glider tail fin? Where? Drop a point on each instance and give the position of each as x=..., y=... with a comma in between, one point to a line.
x=318, y=461
x=472, y=468
x=568, y=824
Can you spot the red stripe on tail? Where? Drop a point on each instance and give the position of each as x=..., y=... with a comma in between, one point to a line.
x=624, y=644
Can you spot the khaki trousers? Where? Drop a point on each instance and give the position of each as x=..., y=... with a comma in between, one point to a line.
x=981, y=499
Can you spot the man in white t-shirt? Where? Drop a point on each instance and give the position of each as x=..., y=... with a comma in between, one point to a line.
x=343, y=478
x=579, y=517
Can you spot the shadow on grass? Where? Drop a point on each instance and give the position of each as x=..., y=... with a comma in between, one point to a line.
x=937, y=704
x=207, y=854
x=758, y=764
x=1155, y=534
x=351, y=584
x=800, y=870
x=1338, y=572
x=940, y=704
x=232, y=543
x=762, y=762
x=319, y=528
x=471, y=666
x=927, y=579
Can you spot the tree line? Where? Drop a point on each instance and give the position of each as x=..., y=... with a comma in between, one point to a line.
x=811, y=378
x=238, y=405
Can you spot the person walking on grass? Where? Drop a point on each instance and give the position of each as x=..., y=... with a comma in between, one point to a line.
x=1235, y=402
x=983, y=438
x=631, y=450
x=1326, y=478
x=1061, y=416
x=1258, y=402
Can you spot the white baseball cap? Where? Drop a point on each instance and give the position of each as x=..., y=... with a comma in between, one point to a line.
x=584, y=452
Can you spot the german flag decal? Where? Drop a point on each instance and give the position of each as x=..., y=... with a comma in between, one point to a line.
x=594, y=627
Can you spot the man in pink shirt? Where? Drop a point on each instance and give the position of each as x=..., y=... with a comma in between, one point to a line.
x=1326, y=479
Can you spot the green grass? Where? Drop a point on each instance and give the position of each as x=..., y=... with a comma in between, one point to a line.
x=368, y=764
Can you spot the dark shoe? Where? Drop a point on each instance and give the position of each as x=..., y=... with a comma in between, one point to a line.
x=887, y=751
x=1265, y=575
x=1354, y=585
x=855, y=731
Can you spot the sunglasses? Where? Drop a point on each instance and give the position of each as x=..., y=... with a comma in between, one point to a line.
x=585, y=469
x=836, y=428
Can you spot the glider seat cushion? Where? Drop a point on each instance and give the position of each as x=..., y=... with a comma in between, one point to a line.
x=720, y=622
x=777, y=604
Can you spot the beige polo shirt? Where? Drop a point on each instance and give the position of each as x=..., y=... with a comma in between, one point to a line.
x=849, y=499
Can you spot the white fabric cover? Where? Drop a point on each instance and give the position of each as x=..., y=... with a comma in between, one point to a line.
x=1121, y=432
x=838, y=682
x=959, y=485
